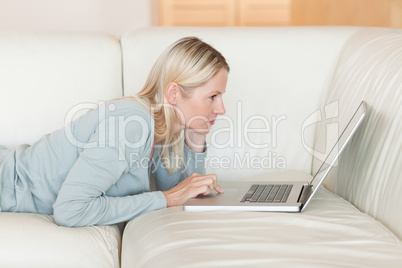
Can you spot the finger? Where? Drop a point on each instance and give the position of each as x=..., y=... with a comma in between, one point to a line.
x=211, y=181
x=213, y=176
x=195, y=175
x=204, y=181
x=211, y=187
x=215, y=183
x=194, y=178
x=219, y=189
x=199, y=176
x=205, y=190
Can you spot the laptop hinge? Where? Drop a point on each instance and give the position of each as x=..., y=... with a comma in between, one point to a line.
x=305, y=193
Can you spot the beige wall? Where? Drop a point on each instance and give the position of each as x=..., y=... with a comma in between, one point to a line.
x=111, y=16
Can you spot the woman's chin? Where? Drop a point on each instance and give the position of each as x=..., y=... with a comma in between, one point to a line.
x=199, y=131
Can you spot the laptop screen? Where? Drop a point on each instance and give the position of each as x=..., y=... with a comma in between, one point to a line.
x=338, y=146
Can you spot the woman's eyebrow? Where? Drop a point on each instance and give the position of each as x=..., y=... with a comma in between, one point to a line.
x=216, y=92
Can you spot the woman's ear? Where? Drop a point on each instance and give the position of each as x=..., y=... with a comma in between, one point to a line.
x=171, y=92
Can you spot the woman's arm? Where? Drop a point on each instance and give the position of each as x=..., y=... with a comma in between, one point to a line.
x=82, y=200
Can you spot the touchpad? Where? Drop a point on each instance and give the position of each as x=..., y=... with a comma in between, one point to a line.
x=230, y=191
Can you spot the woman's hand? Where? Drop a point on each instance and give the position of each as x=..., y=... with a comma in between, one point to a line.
x=192, y=186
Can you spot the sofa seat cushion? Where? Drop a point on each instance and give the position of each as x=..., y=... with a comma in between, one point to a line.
x=330, y=233
x=34, y=240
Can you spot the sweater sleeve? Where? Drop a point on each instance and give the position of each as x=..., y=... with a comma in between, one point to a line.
x=193, y=163
x=82, y=199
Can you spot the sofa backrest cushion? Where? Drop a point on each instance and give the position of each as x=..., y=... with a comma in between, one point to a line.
x=47, y=77
x=278, y=77
x=369, y=172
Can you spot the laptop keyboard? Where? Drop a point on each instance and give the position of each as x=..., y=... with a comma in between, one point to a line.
x=268, y=193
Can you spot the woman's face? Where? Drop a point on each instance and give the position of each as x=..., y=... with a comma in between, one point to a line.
x=203, y=104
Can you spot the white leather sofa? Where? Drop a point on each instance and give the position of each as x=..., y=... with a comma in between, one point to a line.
x=279, y=78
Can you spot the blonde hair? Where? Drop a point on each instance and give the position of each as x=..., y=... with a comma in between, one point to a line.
x=189, y=62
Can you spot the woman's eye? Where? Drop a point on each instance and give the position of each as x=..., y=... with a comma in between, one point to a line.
x=212, y=97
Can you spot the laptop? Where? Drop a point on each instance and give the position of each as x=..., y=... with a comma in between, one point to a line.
x=280, y=196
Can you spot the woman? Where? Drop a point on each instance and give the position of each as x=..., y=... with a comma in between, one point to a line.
x=96, y=170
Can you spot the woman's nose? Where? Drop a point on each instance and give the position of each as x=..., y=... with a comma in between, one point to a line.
x=220, y=109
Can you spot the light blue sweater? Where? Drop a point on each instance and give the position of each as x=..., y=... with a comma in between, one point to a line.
x=94, y=171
